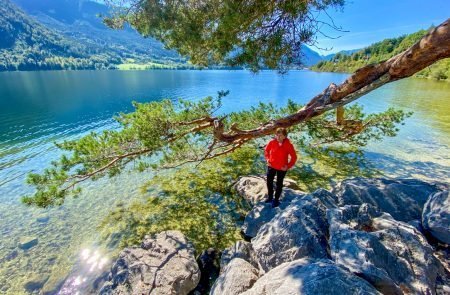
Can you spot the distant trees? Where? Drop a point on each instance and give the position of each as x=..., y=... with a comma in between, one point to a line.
x=27, y=45
x=382, y=51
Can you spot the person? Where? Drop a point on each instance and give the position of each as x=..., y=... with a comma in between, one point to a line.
x=280, y=157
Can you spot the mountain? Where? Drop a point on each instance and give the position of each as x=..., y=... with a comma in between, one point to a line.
x=310, y=57
x=382, y=51
x=79, y=20
x=26, y=44
x=344, y=52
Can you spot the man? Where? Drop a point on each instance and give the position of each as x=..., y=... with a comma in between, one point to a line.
x=280, y=157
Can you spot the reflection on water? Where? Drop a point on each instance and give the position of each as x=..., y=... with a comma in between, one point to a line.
x=37, y=108
x=91, y=265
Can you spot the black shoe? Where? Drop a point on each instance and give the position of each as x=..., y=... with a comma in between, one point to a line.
x=268, y=200
x=275, y=203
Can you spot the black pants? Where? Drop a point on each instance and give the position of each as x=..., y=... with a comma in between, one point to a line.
x=271, y=172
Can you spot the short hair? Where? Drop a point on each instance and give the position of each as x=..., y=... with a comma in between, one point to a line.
x=281, y=131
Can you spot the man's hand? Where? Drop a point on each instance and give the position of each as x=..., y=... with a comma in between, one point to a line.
x=284, y=168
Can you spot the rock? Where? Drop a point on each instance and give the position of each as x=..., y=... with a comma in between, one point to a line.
x=43, y=218
x=36, y=283
x=263, y=213
x=392, y=255
x=310, y=277
x=237, y=277
x=417, y=224
x=298, y=231
x=241, y=249
x=254, y=188
x=26, y=243
x=436, y=216
x=326, y=197
x=209, y=270
x=164, y=264
x=402, y=198
x=12, y=255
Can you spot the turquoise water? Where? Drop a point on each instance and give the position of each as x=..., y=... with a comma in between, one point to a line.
x=38, y=108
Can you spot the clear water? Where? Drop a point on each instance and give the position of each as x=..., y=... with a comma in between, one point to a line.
x=38, y=108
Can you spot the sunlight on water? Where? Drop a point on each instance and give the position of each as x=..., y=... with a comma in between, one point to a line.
x=91, y=264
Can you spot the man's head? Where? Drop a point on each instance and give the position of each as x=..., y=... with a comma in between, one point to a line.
x=281, y=134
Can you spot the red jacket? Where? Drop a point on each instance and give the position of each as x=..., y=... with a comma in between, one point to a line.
x=277, y=155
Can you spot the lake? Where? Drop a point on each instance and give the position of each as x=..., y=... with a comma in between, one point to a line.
x=39, y=108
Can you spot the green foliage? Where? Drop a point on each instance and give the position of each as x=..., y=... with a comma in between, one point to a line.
x=238, y=33
x=381, y=51
x=161, y=134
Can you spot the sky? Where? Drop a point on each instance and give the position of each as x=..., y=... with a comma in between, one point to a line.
x=370, y=21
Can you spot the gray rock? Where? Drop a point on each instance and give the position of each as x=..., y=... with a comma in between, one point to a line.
x=326, y=197
x=241, y=249
x=26, y=243
x=162, y=265
x=402, y=198
x=310, y=277
x=263, y=213
x=436, y=216
x=391, y=255
x=298, y=231
x=237, y=277
x=254, y=189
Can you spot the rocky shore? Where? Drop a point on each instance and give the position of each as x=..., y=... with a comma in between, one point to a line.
x=364, y=236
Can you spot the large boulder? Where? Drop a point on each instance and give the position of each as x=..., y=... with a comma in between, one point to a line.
x=392, y=255
x=254, y=188
x=402, y=198
x=310, y=277
x=237, y=277
x=164, y=264
x=241, y=249
x=436, y=216
x=263, y=213
x=298, y=231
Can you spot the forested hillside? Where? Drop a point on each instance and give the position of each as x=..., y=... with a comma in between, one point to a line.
x=81, y=20
x=381, y=51
x=27, y=45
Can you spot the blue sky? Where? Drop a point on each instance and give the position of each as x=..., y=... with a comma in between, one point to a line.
x=370, y=21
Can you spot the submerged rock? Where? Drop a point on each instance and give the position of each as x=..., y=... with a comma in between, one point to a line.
x=392, y=255
x=43, y=218
x=36, y=283
x=402, y=198
x=237, y=277
x=164, y=264
x=310, y=277
x=26, y=243
x=436, y=216
x=296, y=232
